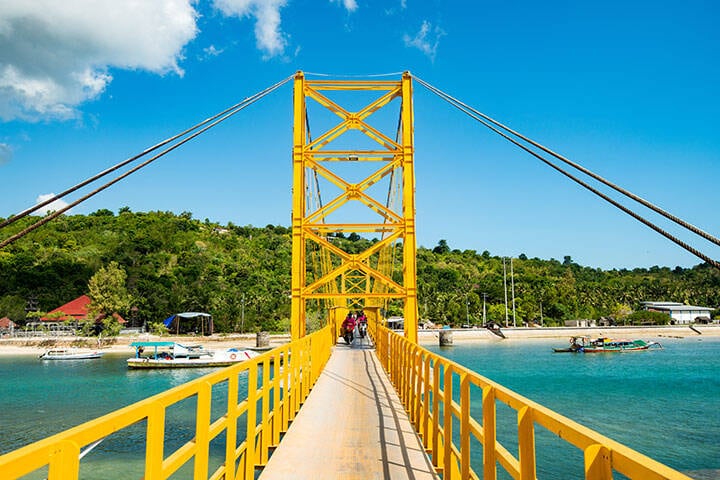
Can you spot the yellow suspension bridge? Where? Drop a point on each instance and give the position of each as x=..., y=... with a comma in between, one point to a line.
x=312, y=408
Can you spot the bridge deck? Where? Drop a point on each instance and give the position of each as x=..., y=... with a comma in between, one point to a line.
x=352, y=426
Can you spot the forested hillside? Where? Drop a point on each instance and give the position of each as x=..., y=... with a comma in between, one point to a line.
x=176, y=263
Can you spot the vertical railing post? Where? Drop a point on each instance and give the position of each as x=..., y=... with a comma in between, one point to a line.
x=277, y=405
x=526, y=444
x=418, y=388
x=64, y=461
x=251, y=416
x=489, y=434
x=447, y=422
x=425, y=413
x=436, y=415
x=154, y=446
x=597, y=463
x=465, y=426
x=202, y=430
x=266, y=432
x=231, y=429
x=287, y=394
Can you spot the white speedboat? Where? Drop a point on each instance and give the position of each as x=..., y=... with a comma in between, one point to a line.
x=175, y=355
x=70, y=354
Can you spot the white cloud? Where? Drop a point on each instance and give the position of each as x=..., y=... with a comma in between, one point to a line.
x=212, y=51
x=51, y=207
x=6, y=153
x=426, y=40
x=269, y=36
x=350, y=5
x=56, y=55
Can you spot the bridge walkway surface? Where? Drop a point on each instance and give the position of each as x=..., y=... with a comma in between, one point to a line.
x=352, y=426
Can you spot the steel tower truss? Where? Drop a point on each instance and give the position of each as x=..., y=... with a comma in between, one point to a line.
x=321, y=270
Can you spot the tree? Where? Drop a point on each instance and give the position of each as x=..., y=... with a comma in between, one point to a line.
x=442, y=247
x=108, y=291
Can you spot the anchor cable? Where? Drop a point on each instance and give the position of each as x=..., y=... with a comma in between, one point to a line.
x=627, y=193
x=478, y=117
x=222, y=116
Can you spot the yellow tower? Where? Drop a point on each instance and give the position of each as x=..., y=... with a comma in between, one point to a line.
x=366, y=176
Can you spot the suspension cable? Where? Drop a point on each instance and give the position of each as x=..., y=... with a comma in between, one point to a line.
x=219, y=118
x=478, y=117
x=627, y=193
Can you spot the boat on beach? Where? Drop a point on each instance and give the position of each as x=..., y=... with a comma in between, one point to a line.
x=603, y=344
x=70, y=354
x=176, y=355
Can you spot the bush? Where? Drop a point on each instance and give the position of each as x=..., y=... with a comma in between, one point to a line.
x=158, y=328
x=645, y=317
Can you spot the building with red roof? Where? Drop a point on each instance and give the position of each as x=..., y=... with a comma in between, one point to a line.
x=6, y=325
x=75, y=310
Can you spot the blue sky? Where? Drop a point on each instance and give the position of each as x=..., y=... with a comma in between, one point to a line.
x=628, y=89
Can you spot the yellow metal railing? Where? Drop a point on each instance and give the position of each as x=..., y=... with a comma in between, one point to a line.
x=436, y=393
x=277, y=384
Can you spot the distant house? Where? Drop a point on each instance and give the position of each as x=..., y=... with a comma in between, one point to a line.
x=75, y=310
x=580, y=323
x=6, y=325
x=395, y=323
x=680, y=314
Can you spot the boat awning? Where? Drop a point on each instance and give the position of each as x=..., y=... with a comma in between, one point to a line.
x=152, y=344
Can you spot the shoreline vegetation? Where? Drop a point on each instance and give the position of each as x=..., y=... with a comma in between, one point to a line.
x=121, y=344
x=146, y=265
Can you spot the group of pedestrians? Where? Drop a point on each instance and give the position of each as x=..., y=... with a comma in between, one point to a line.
x=353, y=320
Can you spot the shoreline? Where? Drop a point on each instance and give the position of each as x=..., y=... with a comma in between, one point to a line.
x=462, y=335
x=121, y=345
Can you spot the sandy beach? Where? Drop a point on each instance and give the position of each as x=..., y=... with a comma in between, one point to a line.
x=121, y=345
x=564, y=333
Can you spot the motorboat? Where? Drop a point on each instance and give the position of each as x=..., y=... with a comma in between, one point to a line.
x=70, y=354
x=603, y=344
x=176, y=355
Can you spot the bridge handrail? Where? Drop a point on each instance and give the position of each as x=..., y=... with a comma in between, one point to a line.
x=286, y=375
x=425, y=382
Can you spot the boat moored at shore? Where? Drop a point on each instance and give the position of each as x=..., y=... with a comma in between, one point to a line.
x=603, y=345
x=175, y=355
x=70, y=354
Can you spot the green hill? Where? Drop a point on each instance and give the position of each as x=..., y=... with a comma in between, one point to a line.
x=176, y=263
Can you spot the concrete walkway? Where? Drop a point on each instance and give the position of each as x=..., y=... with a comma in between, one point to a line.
x=352, y=426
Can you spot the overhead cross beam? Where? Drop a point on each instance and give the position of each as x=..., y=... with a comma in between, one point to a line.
x=366, y=278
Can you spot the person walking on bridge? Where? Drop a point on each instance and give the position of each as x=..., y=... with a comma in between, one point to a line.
x=348, y=326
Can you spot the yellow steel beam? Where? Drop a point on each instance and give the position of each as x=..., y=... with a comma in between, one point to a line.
x=359, y=277
x=298, y=304
x=409, y=244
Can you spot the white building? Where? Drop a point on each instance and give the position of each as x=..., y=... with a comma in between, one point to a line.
x=679, y=313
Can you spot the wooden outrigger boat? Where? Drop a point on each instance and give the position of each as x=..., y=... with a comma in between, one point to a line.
x=603, y=344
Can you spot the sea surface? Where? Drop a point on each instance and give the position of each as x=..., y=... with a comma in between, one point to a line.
x=663, y=403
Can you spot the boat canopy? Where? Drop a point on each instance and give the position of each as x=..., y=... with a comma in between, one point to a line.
x=152, y=344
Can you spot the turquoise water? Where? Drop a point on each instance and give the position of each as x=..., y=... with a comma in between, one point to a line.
x=41, y=398
x=662, y=403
